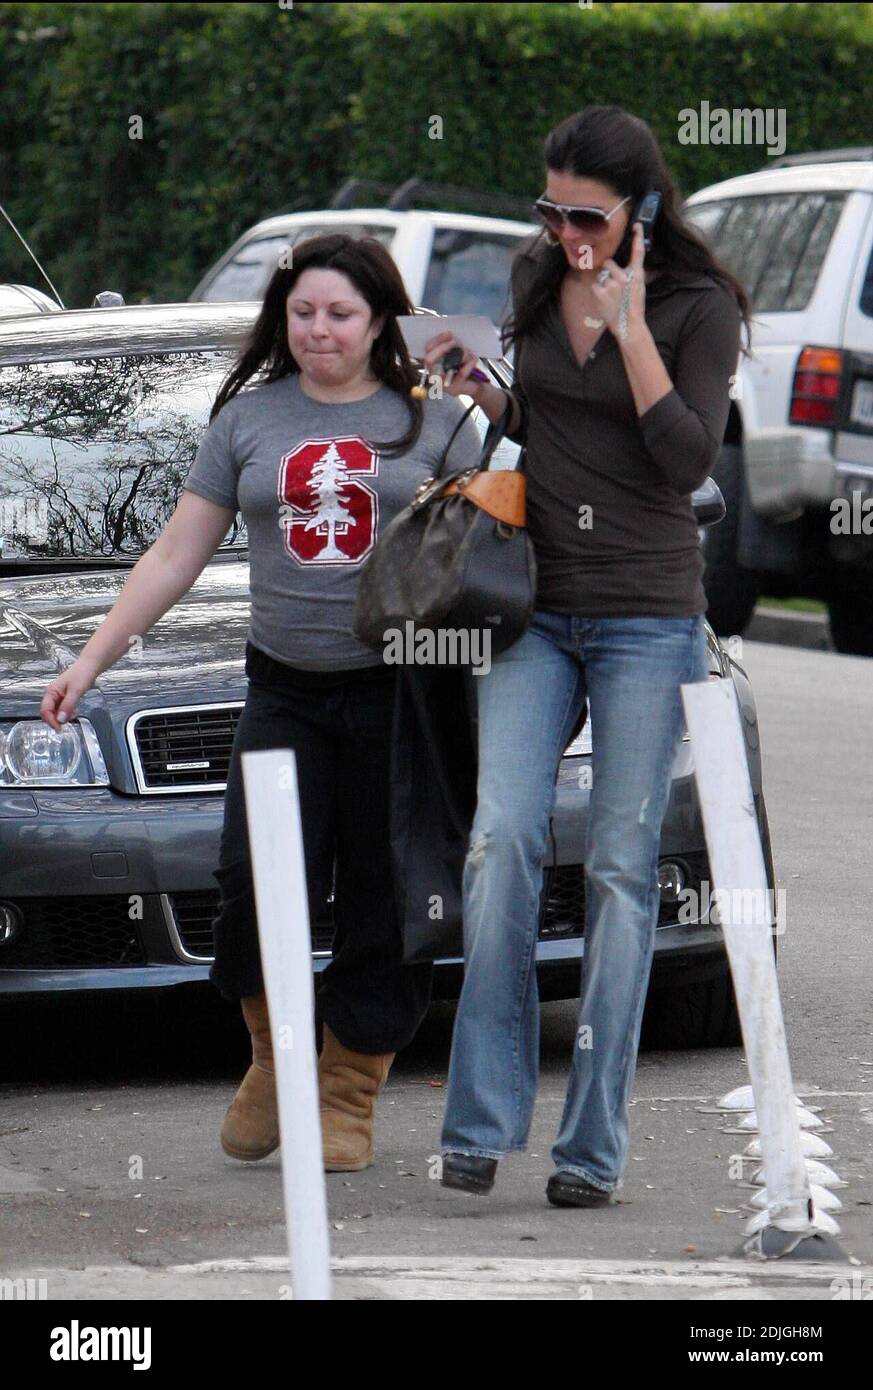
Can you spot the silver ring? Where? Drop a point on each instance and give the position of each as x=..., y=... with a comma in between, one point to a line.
x=603, y=276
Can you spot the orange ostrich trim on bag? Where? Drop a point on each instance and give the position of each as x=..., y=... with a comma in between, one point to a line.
x=501, y=494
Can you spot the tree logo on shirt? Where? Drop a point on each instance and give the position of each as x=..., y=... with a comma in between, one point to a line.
x=329, y=516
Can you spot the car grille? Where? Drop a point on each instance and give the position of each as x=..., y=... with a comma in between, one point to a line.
x=183, y=749
x=74, y=933
x=194, y=914
x=562, y=909
x=562, y=906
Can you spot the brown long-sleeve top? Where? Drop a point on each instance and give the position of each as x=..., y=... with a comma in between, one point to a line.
x=587, y=447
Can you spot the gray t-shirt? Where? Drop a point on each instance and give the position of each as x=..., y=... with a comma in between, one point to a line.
x=315, y=495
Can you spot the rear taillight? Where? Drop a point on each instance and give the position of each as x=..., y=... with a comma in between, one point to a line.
x=816, y=386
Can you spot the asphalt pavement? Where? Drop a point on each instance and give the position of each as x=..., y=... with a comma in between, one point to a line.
x=112, y=1182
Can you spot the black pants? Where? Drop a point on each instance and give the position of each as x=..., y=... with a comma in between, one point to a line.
x=339, y=725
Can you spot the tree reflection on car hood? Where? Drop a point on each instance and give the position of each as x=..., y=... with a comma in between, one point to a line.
x=94, y=451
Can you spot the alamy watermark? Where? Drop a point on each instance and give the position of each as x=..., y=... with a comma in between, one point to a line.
x=29, y=1290
x=23, y=516
x=442, y=646
x=739, y=126
x=742, y=907
x=852, y=518
x=77, y=1343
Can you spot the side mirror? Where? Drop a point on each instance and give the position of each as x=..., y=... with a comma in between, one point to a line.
x=708, y=504
x=107, y=299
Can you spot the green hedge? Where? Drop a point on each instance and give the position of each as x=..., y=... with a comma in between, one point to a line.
x=248, y=110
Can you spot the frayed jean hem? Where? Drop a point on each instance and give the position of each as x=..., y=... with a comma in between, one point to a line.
x=582, y=1173
x=478, y=1153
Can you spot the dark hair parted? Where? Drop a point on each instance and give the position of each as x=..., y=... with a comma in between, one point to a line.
x=370, y=268
x=610, y=145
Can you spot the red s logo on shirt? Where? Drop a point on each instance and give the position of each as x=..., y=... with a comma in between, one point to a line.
x=329, y=515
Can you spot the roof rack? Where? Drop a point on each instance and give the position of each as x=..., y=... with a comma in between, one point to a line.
x=822, y=157
x=446, y=197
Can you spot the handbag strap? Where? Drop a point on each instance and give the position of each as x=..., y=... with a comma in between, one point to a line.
x=493, y=436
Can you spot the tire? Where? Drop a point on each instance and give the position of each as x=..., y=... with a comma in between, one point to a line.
x=705, y=1014
x=852, y=622
x=766, y=846
x=731, y=590
x=769, y=866
x=690, y=1016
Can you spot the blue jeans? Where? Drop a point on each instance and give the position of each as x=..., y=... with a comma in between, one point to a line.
x=630, y=670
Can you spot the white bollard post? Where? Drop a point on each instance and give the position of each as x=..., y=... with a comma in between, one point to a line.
x=279, y=871
x=737, y=865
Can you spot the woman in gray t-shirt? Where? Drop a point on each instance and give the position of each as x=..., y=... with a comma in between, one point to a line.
x=324, y=447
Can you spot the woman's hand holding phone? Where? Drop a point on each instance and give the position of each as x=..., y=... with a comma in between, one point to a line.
x=456, y=380
x=615, y=299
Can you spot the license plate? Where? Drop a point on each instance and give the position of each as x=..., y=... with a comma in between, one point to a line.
x=862, y=403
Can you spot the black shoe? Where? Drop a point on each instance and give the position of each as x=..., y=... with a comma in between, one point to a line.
x=469, y=1173
x=571, y=1190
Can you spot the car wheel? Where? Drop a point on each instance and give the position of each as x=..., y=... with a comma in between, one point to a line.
x=851, y=623
x=731, y=590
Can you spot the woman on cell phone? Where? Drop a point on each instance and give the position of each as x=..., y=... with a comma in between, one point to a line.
x=623, y=369
x=300, y=453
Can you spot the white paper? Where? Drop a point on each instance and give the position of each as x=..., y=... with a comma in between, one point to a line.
x=475, y=332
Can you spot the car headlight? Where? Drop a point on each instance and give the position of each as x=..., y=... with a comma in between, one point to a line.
x=33, y=755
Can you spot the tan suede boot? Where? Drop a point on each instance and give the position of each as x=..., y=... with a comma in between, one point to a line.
x=348, y=1084
x=251, y=1125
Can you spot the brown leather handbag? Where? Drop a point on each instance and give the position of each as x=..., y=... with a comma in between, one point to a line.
x=458, y=558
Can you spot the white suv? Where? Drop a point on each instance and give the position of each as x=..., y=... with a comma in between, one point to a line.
x=452, y=262
x=799, y=235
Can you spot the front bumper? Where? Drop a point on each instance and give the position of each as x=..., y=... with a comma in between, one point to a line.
x=91, y=875
x=791, y=472
x=788, y=470
x=117, y=892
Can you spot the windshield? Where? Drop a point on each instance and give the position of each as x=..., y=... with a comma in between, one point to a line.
x=94, y=452
x=246, y=274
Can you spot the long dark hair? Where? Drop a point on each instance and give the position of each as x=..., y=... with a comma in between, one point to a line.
x=369, y=267
x=607, y=143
